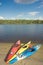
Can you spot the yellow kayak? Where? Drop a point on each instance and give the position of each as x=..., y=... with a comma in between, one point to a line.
x=22, y=49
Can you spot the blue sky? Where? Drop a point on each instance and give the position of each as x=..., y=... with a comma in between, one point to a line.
x=21, y=9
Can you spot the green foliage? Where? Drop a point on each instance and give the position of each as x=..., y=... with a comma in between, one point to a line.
x=21, y=21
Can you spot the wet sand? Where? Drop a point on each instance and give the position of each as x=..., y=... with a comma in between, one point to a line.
x=36, y=59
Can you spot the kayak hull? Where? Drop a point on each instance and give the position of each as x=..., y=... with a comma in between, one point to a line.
x=21, y=50
x=25, y=54
x=13, y=50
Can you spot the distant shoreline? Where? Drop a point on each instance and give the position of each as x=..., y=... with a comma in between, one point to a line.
x=21, y=21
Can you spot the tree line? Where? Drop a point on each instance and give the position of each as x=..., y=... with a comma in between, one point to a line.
x=21, y=21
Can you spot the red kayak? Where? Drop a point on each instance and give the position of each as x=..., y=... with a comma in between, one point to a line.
x=13, y=50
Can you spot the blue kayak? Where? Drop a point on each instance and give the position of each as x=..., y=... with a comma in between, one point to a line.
x=25, y=54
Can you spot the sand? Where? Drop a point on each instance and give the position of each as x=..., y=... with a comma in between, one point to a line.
x=36, y=59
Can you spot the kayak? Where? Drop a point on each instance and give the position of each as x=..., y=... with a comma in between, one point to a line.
x=22, y=49
x=25, y=54
x=13, y=50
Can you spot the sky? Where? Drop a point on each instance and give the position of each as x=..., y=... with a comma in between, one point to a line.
x=21, y=9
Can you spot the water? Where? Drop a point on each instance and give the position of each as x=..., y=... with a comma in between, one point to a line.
x=12, y=33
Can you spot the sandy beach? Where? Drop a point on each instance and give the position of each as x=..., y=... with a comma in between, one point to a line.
x=36, y=59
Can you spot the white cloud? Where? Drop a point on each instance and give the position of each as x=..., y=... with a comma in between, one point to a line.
x=19, y=16
x=25, y=1
x=40, y=18
x=1, y=18
x=33, y=13
x=27, y=16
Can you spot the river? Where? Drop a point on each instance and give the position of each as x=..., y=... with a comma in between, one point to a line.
x=12, y=33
